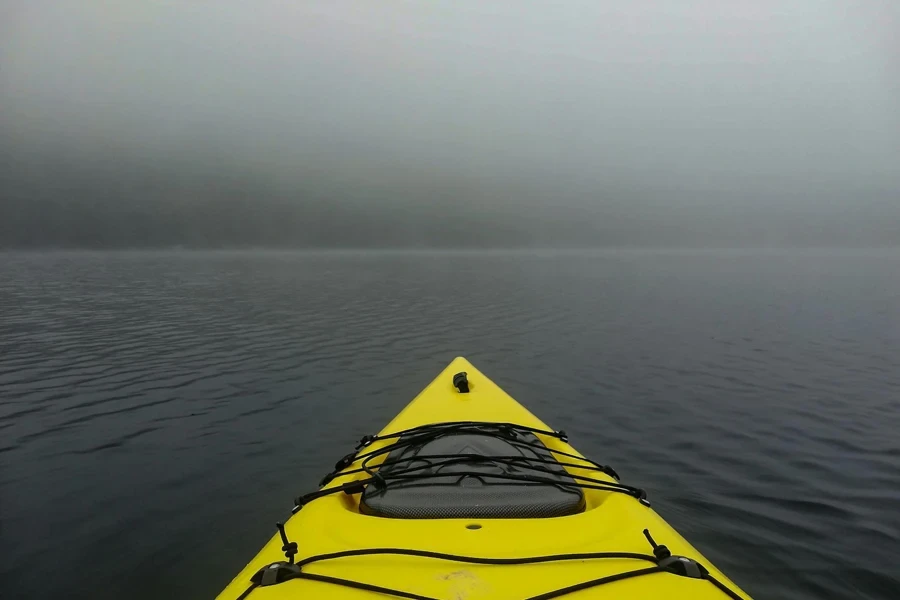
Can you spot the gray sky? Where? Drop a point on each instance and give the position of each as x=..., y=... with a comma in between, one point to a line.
x=591, y=108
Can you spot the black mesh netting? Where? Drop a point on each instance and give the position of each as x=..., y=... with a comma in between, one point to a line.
x=473, y=496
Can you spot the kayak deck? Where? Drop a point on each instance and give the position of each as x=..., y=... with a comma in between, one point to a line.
x=610, y=522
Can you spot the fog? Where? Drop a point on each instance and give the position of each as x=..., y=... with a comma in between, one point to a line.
x=449, y=124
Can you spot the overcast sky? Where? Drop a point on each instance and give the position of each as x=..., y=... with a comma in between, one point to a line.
x=588, y=107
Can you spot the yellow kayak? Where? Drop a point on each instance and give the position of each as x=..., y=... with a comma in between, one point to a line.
x=466, y=495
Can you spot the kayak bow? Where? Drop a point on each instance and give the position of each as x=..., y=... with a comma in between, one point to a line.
x=467, y=495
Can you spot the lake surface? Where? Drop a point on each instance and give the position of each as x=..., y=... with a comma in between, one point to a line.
x=159, y=411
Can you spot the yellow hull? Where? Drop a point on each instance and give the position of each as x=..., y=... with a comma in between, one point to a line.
x=611, y=522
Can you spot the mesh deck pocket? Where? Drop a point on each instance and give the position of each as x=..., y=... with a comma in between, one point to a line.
x=449, y=495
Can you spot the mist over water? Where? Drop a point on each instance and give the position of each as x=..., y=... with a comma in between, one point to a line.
x=439, y=124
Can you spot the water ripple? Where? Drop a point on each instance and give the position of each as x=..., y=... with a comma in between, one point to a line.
x=146, y=395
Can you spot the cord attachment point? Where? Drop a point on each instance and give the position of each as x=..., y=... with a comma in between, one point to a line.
x=677, y=565
x=642, y=498
x=354, y=487
x=365, y=441
x=684, y=566
x=275, y=573
x=611, y=472
x=345, y=462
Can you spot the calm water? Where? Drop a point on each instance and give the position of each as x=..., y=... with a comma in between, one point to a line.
x=158, y=411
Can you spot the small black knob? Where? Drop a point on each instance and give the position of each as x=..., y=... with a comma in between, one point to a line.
x=461, y=382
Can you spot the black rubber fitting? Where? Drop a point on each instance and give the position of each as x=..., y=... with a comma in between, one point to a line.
x=461, y=382
x=365, y=441
x=345, y=462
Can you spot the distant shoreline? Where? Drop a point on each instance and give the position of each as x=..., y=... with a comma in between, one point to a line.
x=440, y=250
